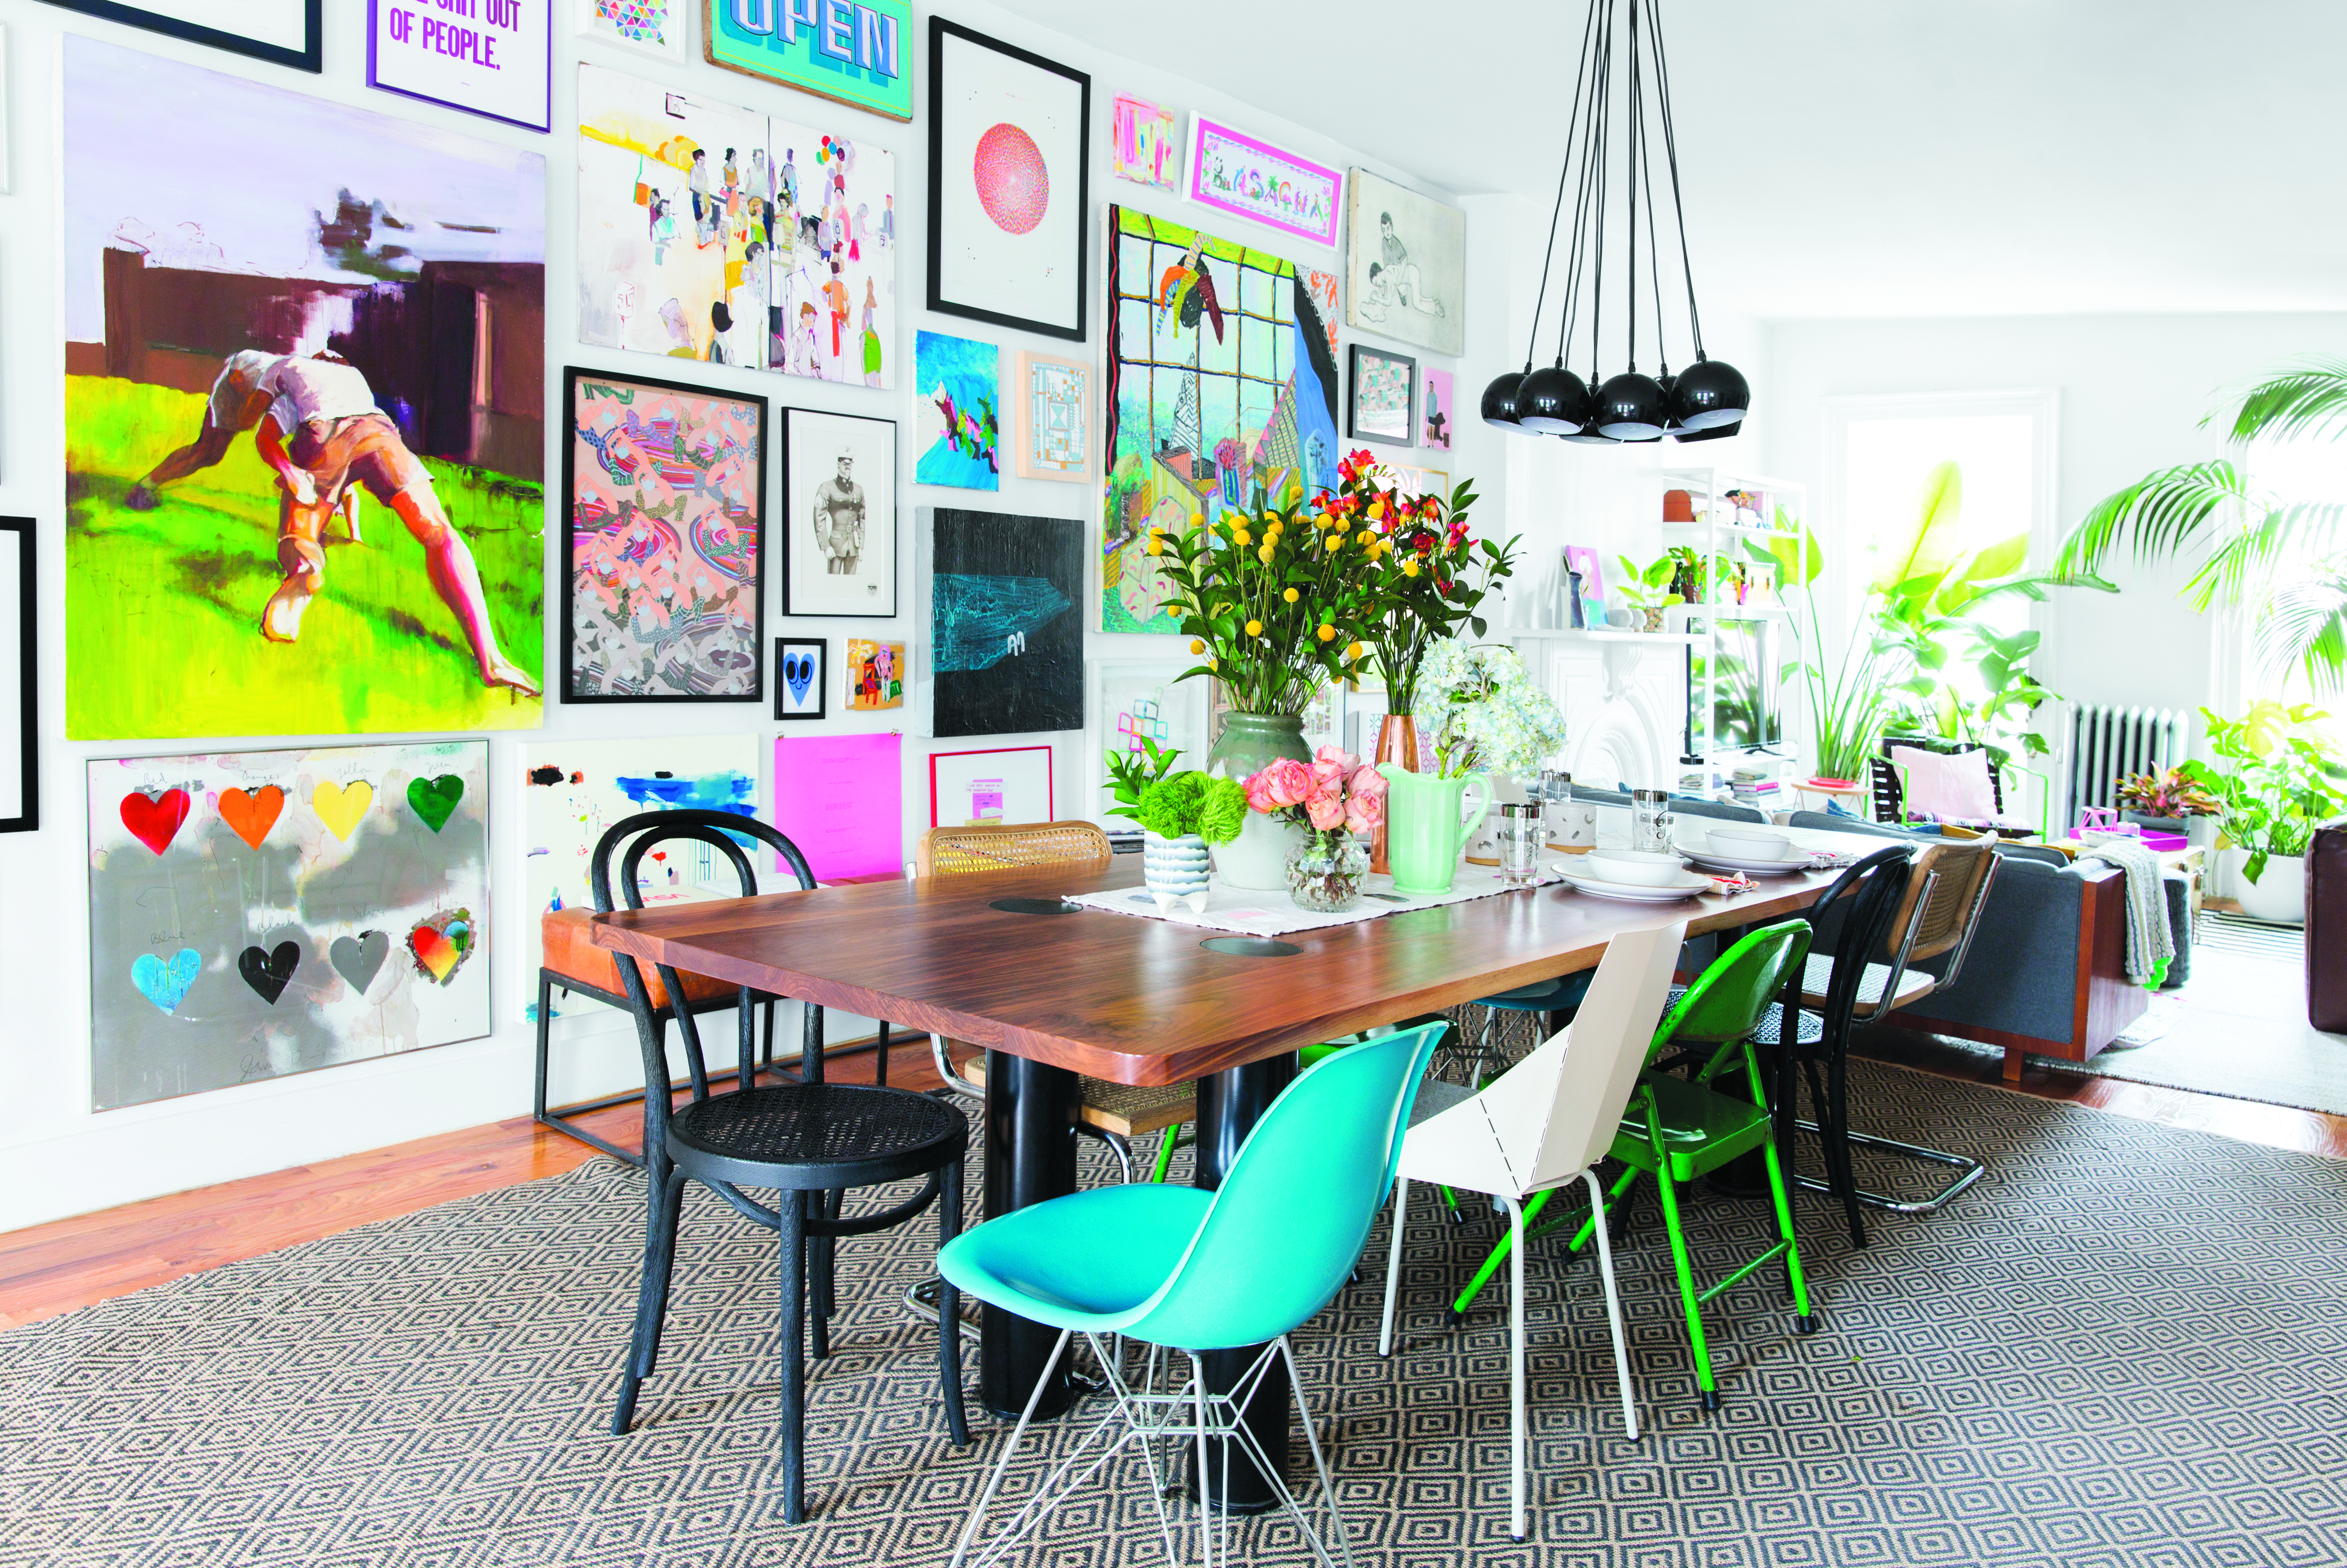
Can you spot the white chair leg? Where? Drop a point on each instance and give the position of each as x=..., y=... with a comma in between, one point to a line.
x=1393, y=1265
x=961, y=1547
x=1613, y=1304
x=1515, y=1367
x=1205, y=1507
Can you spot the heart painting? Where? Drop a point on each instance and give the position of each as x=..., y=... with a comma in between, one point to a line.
x=154, y=820
x=442, y=944
x=166, y=984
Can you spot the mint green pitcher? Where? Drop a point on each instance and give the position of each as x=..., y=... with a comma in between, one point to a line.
x=1424, y=833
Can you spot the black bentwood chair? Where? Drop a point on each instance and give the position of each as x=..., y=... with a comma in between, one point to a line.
x=812, y=1141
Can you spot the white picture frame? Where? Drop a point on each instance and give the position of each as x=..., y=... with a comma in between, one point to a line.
x=1117, y=684
x=1058, y=435
x=1409, y=284
x=1000, y=787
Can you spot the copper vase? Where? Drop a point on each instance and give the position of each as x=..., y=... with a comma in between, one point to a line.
x=1398, y=744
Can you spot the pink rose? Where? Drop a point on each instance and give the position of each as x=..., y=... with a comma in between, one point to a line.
x=1367, y=781
x=1344, y=760
x=1327, y=774
x=1363, y=813
x=1325, y=810
x=1259, y=793
x=1291, y=781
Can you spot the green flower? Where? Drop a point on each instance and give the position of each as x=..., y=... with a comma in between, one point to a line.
x=1221, y=810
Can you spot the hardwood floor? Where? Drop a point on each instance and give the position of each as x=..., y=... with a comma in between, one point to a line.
x=54, y=1268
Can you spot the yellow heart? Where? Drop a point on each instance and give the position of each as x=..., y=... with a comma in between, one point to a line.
x=340, y=808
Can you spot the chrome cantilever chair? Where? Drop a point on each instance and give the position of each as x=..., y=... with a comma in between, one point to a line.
x=807, y=1140
x=1545, y=1125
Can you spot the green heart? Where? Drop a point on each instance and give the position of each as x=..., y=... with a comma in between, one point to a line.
x=434, y=800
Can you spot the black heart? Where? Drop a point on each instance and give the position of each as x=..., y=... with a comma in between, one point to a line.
x=268, y=972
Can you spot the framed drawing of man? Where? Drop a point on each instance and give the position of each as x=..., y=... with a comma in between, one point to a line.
x=839, y=492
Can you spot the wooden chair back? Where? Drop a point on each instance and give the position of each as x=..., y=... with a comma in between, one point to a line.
x=1957, y=875
x=958, y=851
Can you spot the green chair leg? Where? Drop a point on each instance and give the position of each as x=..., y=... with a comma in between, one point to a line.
x=1684, y=1266
x=1165, y=1147
x=1808, y=1323
x=1491, y=1264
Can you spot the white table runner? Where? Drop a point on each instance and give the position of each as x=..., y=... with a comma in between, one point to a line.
x=1257, y=912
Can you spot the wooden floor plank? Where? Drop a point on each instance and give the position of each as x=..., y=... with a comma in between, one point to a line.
x=55, y=1268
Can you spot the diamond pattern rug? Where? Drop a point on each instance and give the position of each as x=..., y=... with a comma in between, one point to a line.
x=2125, y=1349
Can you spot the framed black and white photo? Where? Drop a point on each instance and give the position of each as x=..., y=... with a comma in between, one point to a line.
x=20, y=775
x=282, y=32
x=1007, y=183
x=839, y=527
x=801, y=670
x=1382, y=407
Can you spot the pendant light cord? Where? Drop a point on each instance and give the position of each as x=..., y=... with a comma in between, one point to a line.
x=1671, y=153
x=1532, y=345
x=1586, y=135
x=1646, y=175
x=1630, y=178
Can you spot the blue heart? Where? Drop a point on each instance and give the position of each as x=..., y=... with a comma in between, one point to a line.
x=166, y=985
x=798, y=674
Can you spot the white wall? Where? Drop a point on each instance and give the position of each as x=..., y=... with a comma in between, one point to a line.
x=56, y=1157
x=2132, y=392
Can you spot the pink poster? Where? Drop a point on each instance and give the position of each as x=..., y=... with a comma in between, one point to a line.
x=840, y=798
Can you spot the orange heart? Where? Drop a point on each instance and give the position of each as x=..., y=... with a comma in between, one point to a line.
x=436, y=952
x=252, y=815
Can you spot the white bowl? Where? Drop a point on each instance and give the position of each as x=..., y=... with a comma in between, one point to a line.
x=1749, y=844
x=1638, y=867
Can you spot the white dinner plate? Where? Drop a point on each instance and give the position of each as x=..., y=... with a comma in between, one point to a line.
x=1686, y=886
x=1755, y=868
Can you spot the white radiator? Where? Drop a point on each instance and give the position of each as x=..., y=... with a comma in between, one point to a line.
x=2108, y=743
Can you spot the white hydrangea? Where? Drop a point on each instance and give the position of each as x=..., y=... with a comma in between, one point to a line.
x=1485, y=710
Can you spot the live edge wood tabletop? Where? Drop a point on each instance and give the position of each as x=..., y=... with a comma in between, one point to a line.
x=1133, y=1000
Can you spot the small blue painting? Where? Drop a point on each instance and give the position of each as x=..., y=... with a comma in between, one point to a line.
x=957, y=412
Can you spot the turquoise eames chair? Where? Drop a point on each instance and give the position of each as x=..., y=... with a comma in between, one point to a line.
x=1182, y=1269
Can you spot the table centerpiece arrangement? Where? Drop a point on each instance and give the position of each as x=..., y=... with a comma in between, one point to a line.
x=1486, y=716
x=1330, y=800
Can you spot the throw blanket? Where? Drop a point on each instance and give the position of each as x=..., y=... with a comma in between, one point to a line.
x=2150, y=944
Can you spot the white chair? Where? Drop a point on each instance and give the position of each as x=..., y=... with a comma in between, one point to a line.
x=1544, y=1124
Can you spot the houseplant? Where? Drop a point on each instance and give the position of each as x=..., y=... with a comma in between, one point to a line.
x=1647, y=587
x=2276, y=775
x=1330, y=800
x=1180, y=813
x=2170, y=801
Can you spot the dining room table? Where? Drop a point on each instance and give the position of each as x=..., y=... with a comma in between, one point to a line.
x=1053, y=992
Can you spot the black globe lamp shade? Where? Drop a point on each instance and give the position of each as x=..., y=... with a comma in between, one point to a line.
x=1710, y=394
x=1631, y=407
x=1589, y=438
x=1553, y=402
x=1500, y=400
x=1712, y=433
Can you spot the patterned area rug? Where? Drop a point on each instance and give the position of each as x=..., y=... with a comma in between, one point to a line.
x=2125, y=1349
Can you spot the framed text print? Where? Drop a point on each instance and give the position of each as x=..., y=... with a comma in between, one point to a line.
x=282, y=32
x=1006, y=183
x=990, y=789
x=839, y=524
x=799, y=668
x=20, y=775
x=1234, y=172
x=495, y=59
x=664, y=528
x=1055, y=418
x=860, y=55
x=1382, y=404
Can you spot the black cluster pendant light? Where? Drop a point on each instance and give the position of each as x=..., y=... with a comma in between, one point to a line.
x=1706, y=401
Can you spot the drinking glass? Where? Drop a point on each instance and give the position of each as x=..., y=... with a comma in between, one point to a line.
x=1522, y=837
x=1651, y=821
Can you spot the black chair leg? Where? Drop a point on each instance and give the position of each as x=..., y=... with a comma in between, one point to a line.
x=949, y=1309
x=880, y=1061
x=666, y=1195
x=766, y=1057
x=793, y=1239
x=1837, y=1117
x=821, y=1304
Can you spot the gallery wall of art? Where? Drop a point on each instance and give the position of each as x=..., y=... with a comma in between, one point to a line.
x=330, y=701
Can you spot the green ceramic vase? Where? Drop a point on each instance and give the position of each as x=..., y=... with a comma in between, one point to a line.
x=1425, y=829
x=1253, y=742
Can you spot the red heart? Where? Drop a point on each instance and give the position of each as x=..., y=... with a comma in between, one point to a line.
x=154, y=822
x=252, y=815
x=660, y=855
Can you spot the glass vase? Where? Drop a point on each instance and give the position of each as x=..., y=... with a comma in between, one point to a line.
x=1325, y=874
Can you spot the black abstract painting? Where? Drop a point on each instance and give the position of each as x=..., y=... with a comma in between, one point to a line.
x=1005, y=632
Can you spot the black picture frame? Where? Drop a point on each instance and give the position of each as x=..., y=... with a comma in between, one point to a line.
x=1353, y=431
x=940, y=31
x=572, y=376
x=820, y=685
x=28, y=674
x=308, y=58
x=797, y=423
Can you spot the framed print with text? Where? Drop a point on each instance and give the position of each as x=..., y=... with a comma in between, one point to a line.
x=282, y=32
x=990, y=789
x=496, y=62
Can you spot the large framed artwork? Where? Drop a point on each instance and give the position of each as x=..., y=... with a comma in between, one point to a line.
x=1407, y=254
x=1382, y=407
x=990, y=789
x=255, y=914
x=656, y=27
x=282, y=32
x=1007, y=183
x=20, y=685
x=574, y=790
x=860, y=55
x=664, y=526
x=495, y=61
x=1005, y=634
x=839, y=525
x=707, y=231
x=957, y=418
x=1055, y=418
x=1246, y=176
x=304, y=413
x=1221, y=392
x=801, y=668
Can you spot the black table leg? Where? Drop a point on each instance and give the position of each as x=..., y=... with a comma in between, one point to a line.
x=1229, y=1104
x=1030, y=1155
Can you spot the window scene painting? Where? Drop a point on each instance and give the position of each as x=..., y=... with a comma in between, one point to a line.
x=1221, y=392
x=304, y=413
x=666, y=490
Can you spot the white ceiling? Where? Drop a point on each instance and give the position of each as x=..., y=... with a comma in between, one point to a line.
x=1858, y=158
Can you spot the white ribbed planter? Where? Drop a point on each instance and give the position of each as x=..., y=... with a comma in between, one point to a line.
x=1174, y=870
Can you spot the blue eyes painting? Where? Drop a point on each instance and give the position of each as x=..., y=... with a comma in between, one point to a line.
x=800, y=692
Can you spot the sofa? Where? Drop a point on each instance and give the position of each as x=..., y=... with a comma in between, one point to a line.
x=2326, y=928
x=2047, y=972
